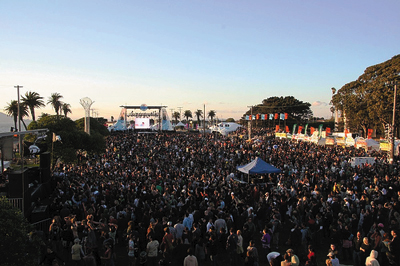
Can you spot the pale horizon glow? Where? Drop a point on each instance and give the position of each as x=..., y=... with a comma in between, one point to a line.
x=225, y=54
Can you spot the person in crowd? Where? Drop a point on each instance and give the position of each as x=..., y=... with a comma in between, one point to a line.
x=294, y=260
x=50, y=256
x=357, y=242
x=254, y=252
x=108, y=257
x=190, y=259
x=311, y=257
x=77, y=252
x=152, y=251
x=334, y=260
x=365, y=250
x=131, y=250
x=372, y=259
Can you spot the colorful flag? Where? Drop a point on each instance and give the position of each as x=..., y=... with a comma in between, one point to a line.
x=300, y=129
x=370, y=131
x=277, y=128
x=282, y=116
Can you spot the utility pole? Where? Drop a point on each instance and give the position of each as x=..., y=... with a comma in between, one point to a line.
x=180, y=113
x=251, y=121
x=21, y=149
x=392, y=140
x=204, y=122
x=172, y=112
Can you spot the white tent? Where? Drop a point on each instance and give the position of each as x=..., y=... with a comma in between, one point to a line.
x=372, y=145
x=180, y=124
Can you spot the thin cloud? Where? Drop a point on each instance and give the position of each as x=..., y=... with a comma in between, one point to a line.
x=319, y=103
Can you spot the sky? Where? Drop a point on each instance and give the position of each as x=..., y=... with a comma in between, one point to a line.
x=226, y=55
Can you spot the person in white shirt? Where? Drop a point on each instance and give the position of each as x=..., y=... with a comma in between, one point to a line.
x=190, y=259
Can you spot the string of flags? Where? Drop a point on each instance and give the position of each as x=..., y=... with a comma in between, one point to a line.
x=281, y=116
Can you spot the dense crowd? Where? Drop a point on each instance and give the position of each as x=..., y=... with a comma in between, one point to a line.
x=177, y=199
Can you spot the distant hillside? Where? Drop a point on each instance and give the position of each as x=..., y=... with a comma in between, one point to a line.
x=6, y=122
x=5, y=118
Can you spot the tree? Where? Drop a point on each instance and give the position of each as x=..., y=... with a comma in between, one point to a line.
x=72, y=135
x=66, y=108
x=32, y=100
x=298, y=111
x=368, y=102
x=18, y=244
x=198, y=114
x=211, y=115
x=12, y=110
x=176, y=116
x=188, y=114
x=54, y=101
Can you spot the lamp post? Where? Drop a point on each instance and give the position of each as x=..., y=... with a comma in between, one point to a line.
x=333, y=109
x=21, y=149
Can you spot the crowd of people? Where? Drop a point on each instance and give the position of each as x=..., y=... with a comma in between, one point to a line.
x=177, y=199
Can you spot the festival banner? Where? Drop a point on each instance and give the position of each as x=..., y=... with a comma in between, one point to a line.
x=294, y=129
x=300, y=129
x=263, y=116
x=370, y=131
x=277, y=128
x=287, y=129
x=320, y=129
x=328, y=130
x=276, y=116
x=305, y=129
x=286, y=116
x=247, y=117
x=312, y=129
x=271, y=116
x=282, y=116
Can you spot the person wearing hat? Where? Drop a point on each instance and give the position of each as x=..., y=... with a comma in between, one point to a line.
x=293, y=257
x=77, y=252
x=334, y=260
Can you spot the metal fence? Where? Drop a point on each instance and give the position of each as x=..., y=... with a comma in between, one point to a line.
x=43, y=225
x=16, y=202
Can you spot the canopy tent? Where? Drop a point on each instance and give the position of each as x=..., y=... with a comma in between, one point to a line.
x=180, y=124
x=258, y=166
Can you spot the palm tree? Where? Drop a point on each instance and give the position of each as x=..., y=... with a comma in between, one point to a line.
x=32, y=100
x=188, y=114
x=177, y=116
x=199, y=114
x=211, y=115
x=54, y=100
x=66, y=108
x=12, y=110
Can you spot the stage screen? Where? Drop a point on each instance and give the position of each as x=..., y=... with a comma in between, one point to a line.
x=142, y=123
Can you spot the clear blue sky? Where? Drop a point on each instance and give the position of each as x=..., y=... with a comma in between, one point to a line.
x=225, y=54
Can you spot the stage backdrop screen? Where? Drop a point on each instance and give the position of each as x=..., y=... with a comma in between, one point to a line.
x=142, y=123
